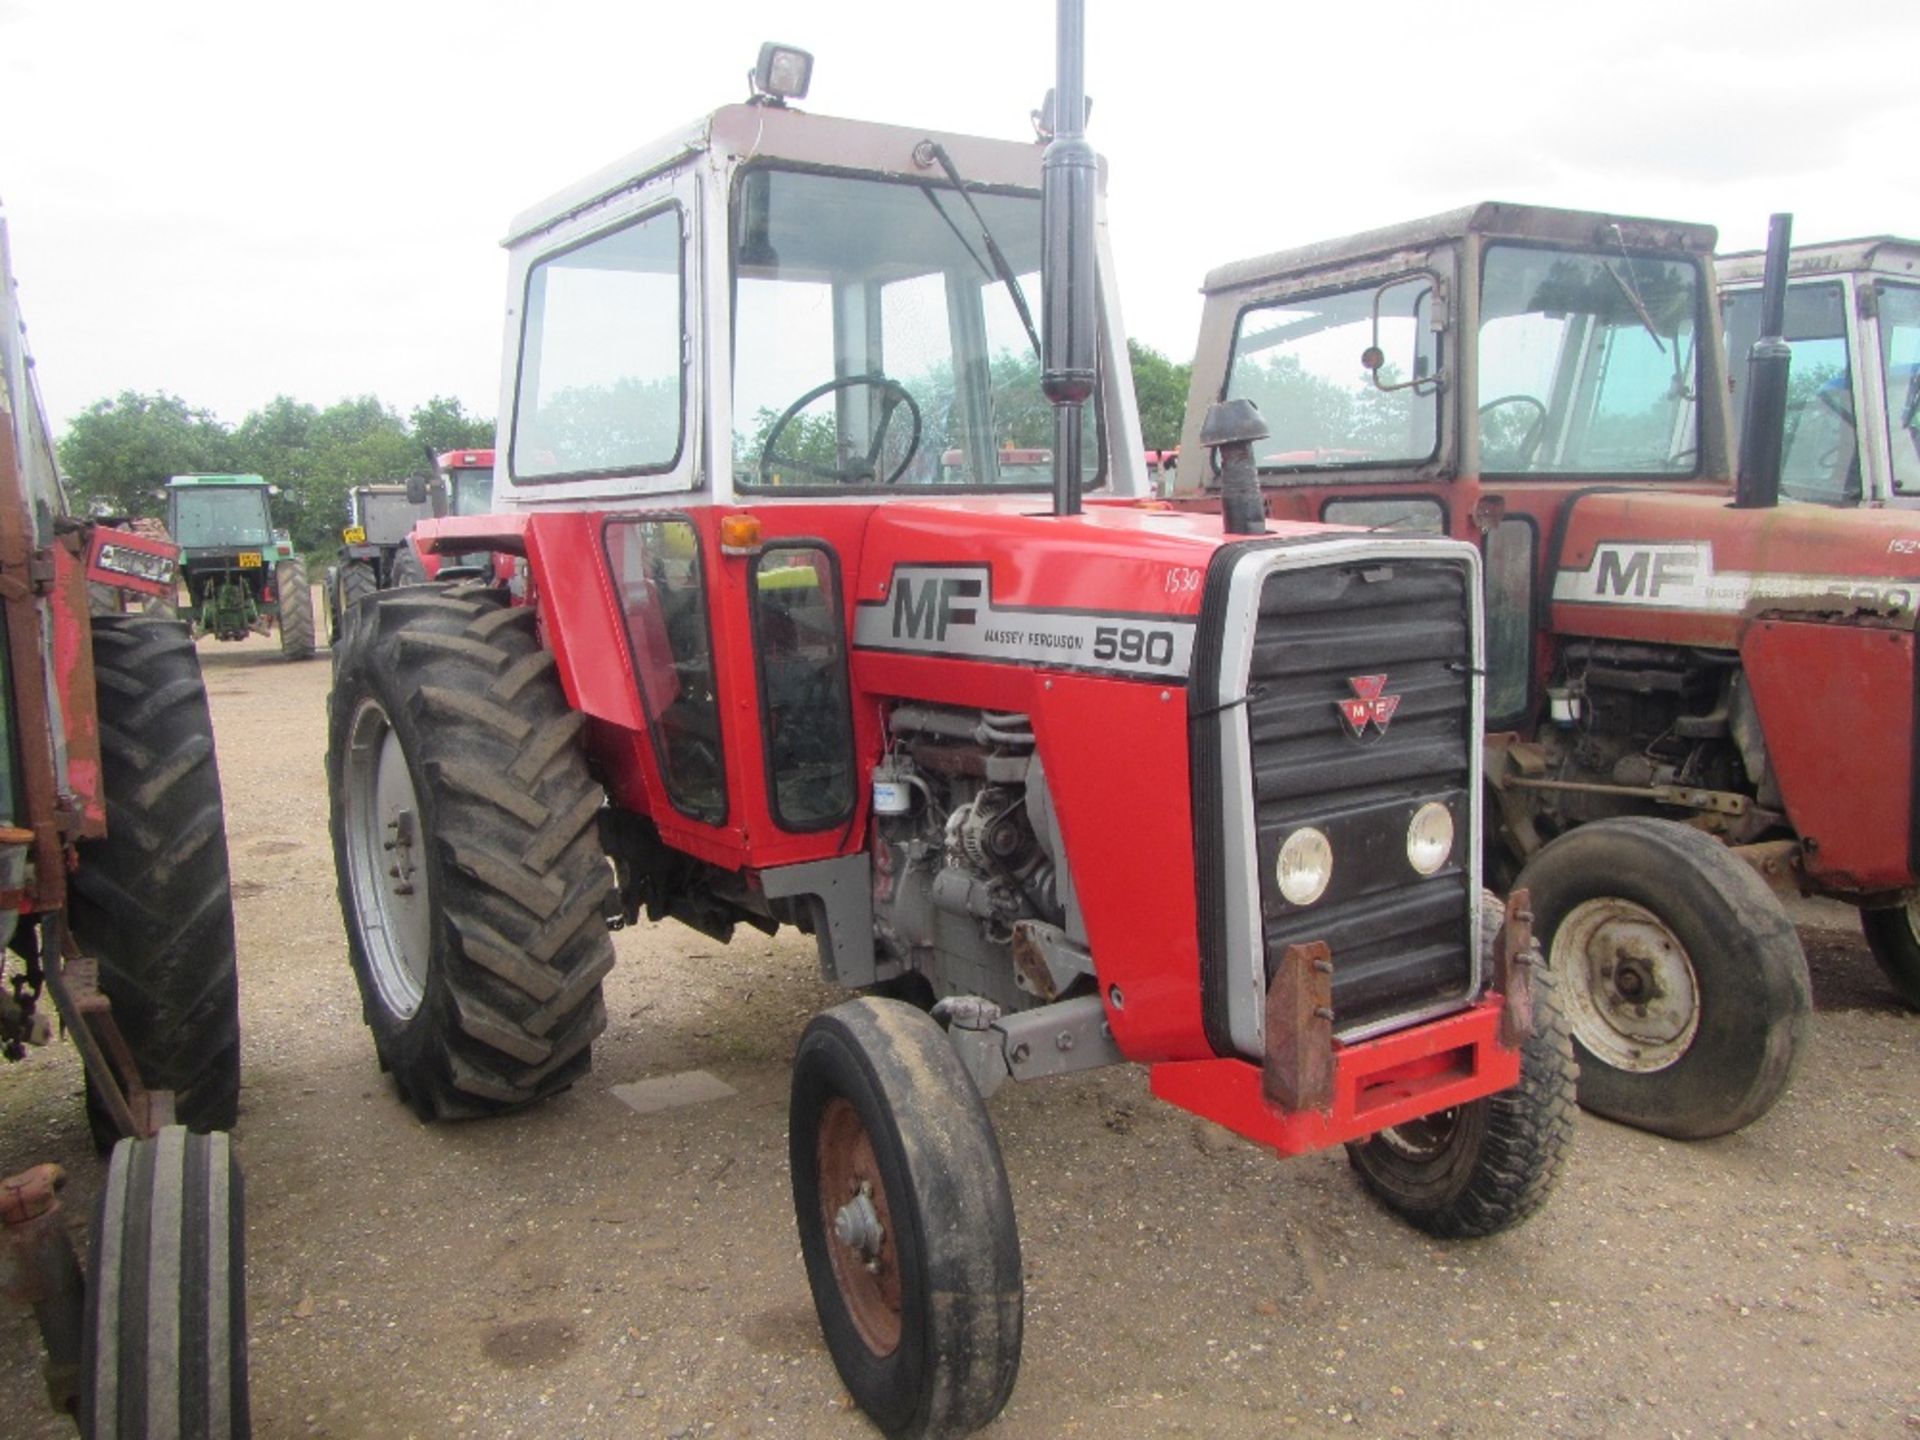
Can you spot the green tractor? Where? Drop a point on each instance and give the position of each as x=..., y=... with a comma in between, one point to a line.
x=242, y=578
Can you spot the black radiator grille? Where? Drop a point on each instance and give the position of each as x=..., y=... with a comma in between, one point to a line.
x=1400, y=942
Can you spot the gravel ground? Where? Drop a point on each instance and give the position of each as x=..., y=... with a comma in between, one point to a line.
x=588, y=1271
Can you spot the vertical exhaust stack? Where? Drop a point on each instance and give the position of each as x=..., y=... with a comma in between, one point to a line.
x=1763, y=428
x=1070, y=171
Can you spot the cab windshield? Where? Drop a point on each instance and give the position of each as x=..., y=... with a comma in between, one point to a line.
x=472, y=492
x=1900, y=359
x=874, y=345
x=226, y=515
x=388, y=518
x=1588, y=362
x=1820, y=460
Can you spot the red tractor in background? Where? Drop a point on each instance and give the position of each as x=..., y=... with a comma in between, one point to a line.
x=1691, y=689
x=462, y=484
x=117, y=919
x=773, y=656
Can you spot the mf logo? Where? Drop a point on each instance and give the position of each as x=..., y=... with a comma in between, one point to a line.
x=923, y=610
x=1644, y=571
x=1370, y=705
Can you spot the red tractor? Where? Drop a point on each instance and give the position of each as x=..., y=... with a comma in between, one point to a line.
x=1693, y=693
x=462, y=484
x=117, y=920
x=788, y=645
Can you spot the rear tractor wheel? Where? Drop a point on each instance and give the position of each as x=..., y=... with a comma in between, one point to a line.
x=906, y=1221
x=151, y=901
x=1894, y=937
x=1683, y=981
x=1479, y=1168
x=353, y=582
x=294, y=602
x=408, y=568
x=467, y=850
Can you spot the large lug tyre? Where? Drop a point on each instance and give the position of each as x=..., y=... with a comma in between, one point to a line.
x=906, y=1221
x=1894, y=937
x=151, y=903
x=1682, y=979
x=356, y=580
x=294, y=602
x=408, y=568
x=164, y=1351
x=1480, y=1168
x=467, y=849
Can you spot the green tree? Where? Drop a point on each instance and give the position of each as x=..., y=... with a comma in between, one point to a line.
x=117, y=452
x=1160, y=390
x=442, y=424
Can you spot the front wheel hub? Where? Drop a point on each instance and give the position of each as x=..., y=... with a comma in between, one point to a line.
x=1631, y=994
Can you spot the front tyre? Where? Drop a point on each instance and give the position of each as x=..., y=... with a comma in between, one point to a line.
x=1480, y=1168
x=1683, y=981
x=151, y=902
x=467, y=851
x=164, y=1351
x=1894, y=937
x=294, y=601
x=906, y=1221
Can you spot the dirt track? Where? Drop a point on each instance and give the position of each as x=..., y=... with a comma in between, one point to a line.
x=587, y=1271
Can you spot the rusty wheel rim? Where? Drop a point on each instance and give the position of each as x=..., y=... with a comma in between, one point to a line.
x=859, y=1226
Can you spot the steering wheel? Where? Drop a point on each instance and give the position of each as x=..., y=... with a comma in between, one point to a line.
x=1530, y=439
x=864, y=470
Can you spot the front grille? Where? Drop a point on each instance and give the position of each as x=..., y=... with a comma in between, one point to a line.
x=1401, y=943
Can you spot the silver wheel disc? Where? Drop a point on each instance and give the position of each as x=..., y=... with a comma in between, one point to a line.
x=386, y=861
x=1628, y=985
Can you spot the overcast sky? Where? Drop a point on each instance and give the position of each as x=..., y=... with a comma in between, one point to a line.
x=230, y=201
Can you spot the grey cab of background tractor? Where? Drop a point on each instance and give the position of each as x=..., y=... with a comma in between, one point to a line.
x=374, y=553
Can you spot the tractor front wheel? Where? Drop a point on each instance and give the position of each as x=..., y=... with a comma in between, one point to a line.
x=353, y=582
x=466, y=844
x=1894, y=937
x=906, y=1221
x=408, y=568
x=294, y=601
x=1479, y=1168
x=150, y=902
x=1684, y=983
x=164, y=1351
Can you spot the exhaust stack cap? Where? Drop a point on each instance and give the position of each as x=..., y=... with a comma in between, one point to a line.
x=1229, y=431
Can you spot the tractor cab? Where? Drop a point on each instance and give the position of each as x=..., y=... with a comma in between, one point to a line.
x=1853, y=406
x=242, y=576
x=382, y=515
x=468, y=482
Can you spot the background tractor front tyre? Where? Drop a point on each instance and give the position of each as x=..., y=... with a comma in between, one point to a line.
x=906, y=1222
x=408, y=568
x=294, y=602
x=352, y=583
x=1682, y=979
x=1478, y=1169
x=165, y=1346
x=151, y=901
x=467, y=850
x=1894, y=937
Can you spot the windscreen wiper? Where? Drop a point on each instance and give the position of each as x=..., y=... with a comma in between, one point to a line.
x=1001, y=268
x=1627, y=288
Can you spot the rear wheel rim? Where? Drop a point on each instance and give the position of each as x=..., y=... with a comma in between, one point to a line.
x=386, y=861
x=858, y=1224
x=1630, y=991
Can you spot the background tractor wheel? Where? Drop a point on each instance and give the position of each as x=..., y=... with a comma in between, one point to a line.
x=407, y=566
x=151, y=902
x=353, y=582
x=295, y=604
x=165, y=1346
x=906, y=1221
x=1894, y=937
x=466, y=842
x=1682, y=979
x=1477, y=1169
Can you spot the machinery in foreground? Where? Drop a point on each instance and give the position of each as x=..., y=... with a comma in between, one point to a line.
x=117, y=920
x=1058, y=785
x=242, y=577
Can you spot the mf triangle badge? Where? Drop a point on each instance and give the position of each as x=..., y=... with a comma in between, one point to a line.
x=1369, y=705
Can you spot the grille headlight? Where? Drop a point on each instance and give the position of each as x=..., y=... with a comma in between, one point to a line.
x=1304, y=867
x=1430, y=837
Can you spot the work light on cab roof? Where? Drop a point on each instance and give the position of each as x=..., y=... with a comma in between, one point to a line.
x=782, y=73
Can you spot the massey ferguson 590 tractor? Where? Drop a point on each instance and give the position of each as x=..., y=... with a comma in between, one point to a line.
x=1690, y=688
x=1853, y=326
x=117, y=921
x=1094, y=780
